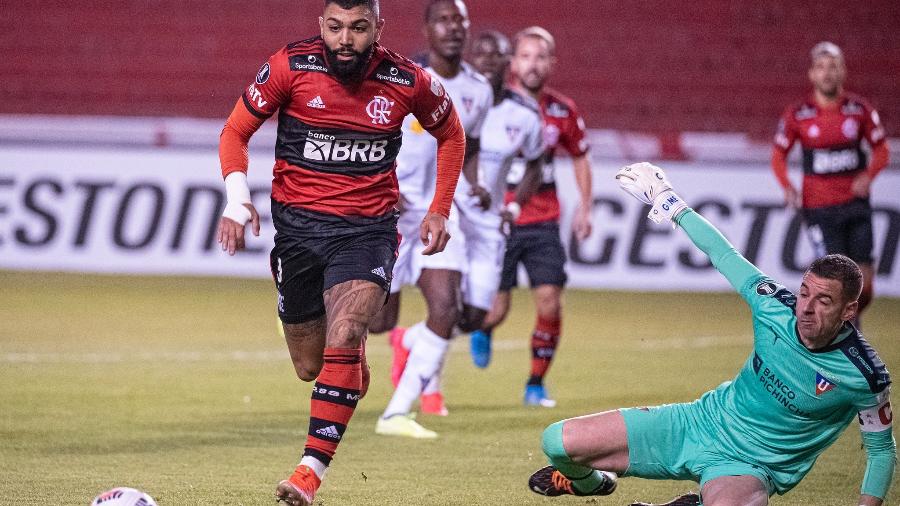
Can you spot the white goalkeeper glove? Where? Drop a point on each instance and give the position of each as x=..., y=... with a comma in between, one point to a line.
x=237, y=193
x=648, y=183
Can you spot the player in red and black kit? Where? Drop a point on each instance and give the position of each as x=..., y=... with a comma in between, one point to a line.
x=837, y=174
x=341, y=100
x=534, y=238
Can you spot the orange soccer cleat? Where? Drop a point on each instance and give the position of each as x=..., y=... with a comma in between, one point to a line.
x=300, y=489
x=433, y=404
x=401, y=354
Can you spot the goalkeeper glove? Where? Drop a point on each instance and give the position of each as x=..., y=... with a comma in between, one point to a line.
x=648, y=183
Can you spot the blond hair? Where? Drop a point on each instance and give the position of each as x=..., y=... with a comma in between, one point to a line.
x=536, y=32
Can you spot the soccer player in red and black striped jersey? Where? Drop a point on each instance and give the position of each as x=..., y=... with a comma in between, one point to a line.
x=831, y=125
x=341, y=99
x=534, y=240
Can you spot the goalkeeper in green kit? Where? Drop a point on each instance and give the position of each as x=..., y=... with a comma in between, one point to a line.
x=809, y=375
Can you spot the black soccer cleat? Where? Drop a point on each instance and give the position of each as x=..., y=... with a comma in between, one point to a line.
x=689, y=499
x=551, y=483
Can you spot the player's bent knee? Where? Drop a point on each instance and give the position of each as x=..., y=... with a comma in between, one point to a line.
x=552, y=443
x=306, y=372
x=379, y=326
x=346, y=333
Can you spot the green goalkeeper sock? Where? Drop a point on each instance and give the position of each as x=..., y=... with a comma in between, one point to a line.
x=584, y=478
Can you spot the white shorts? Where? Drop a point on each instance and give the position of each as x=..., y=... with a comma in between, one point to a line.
x=485, y=248
x=411, y=261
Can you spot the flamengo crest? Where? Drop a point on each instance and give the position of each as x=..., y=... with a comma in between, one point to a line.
x=379, y=109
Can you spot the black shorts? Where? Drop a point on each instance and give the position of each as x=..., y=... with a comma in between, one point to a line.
x=844, y=229
x=539, y=248
x=314, y=251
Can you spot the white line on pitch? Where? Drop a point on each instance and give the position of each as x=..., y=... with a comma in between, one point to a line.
x=373, y=348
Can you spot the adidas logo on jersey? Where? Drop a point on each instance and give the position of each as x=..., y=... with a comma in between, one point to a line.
x=316, y=103
x=330, y=432
x=379, y=271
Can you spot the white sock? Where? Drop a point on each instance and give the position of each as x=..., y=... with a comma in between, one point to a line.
x=410, y=334
x=315, y=464
x=434, y=384
x=425, y=358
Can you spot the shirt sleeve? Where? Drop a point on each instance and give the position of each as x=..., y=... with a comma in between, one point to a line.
x=785, y=132
x=875, y=419
x=573, y=137
x=740, y=273
x=872, y=128
x=271, y=88
x=431, y=104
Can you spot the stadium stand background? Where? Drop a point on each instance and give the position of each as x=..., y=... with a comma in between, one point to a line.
x=654, y=66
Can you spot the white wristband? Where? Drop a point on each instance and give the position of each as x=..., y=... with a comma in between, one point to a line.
x=236, y=188
x=666, y=207
x=237, y=193
x=514, y=209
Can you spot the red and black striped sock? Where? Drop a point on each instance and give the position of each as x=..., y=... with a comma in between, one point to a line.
x=544, y=341
x=334, y=398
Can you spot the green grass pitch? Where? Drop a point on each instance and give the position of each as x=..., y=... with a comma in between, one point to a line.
x=182, y=388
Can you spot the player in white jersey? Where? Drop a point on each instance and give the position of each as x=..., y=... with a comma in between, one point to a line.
x=419, y=351
x=512, y=131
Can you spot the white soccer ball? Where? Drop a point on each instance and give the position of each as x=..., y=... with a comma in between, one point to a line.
x=123, y=496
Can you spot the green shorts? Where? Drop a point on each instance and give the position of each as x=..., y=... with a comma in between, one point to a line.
x=670, y=442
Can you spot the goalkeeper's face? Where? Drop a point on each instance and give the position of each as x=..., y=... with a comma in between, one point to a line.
x=822, y=309
x=531, y=63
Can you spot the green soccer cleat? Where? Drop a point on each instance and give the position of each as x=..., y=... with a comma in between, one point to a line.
x=404, y=426
x=551, y=483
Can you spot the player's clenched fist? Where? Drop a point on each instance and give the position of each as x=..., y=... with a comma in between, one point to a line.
x=434, y=234
x=648, y=183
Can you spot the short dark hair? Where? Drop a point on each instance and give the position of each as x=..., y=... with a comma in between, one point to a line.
x=431, y=5
x=349, y=4
x=498, y=38
x=840, y=268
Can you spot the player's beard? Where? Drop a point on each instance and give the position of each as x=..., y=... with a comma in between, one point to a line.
x=533, y=82
x=348, y=70
x=829, y=90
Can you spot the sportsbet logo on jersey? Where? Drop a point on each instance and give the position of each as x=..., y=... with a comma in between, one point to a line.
x=328, y=148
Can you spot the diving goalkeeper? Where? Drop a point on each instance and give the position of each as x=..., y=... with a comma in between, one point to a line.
x=809, y=375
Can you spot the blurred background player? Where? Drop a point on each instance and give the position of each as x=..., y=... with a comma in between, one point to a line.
x=420, y=350
x=837, y=175
x=342, y=98
x=534, y=240
x=513, y=130
x=811, y=373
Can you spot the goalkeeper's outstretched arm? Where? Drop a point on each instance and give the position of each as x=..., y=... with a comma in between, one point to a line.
x=736, y=269
x=649, y=184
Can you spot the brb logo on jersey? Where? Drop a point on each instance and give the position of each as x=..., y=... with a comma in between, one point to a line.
x=841, y=160
x=328, y=148
x=379, y=109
